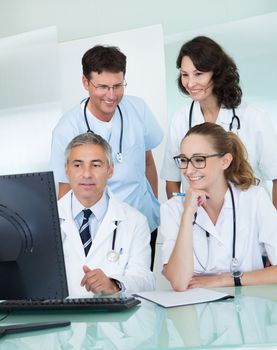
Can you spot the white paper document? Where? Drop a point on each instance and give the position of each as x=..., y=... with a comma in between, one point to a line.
x=170, y=298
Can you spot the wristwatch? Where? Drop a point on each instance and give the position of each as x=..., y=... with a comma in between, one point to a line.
x=117, y=283
x=237, y=277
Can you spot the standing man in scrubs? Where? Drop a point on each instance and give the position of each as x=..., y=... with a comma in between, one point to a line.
x=125, y=122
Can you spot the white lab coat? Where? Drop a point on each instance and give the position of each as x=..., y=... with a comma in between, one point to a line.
x=256, y=132
x=132, y=239
x=256, y=222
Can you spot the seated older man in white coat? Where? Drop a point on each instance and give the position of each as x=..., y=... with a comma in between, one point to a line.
x=108, y=249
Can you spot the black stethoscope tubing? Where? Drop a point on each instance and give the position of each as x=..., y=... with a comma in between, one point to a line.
x=234, y=223
x=114, y=235
x=121, y=123
x=234, y=118
x=112, y=255
x=234, y=227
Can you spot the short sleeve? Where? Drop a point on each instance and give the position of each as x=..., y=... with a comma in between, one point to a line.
x=177, y=131
x=153, y=133
x=260, y=139
x=267, y=146
x=169, y=171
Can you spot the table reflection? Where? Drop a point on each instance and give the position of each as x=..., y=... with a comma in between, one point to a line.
x=242, y=321
x=136, y=328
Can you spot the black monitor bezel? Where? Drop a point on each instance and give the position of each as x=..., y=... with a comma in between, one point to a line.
x=31, y=275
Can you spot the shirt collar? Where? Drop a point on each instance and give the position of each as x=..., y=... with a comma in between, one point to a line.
x=202, y=218
x=99, y=209
x=224, y=116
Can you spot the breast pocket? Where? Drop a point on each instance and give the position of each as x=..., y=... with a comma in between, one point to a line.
x=115, y=263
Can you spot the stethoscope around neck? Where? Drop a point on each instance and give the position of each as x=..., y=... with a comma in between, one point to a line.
x=112, y=255
x=235, y=119
x=234, y=261
x=119, y=156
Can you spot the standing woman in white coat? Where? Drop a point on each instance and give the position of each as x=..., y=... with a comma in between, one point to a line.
x=210, y=77
x=216, y=234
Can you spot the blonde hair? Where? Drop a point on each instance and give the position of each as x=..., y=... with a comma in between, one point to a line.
x=239, y=171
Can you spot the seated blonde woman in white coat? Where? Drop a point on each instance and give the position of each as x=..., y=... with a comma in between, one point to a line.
x=216, y=234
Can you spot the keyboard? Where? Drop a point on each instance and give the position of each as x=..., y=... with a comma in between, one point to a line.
x=96, y=303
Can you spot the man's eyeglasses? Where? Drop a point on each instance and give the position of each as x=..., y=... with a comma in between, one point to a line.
x=198, y=162
x=106, y=88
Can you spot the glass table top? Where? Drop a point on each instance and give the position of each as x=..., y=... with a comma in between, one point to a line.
x=249, y=321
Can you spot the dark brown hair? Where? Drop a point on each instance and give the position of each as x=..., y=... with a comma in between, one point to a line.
x=208, y=56
x=103, y=58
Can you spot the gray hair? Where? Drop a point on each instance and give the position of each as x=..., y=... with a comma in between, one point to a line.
x=90, y=139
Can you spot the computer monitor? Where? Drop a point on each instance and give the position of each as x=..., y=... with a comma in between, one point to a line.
x=31, y=253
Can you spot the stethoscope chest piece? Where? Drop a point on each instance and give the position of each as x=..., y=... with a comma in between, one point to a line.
x=113, y=256
x=234, y=264
x=119, y=157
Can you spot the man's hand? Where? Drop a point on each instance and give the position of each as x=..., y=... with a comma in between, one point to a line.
x=97, y=282
x=211, y=281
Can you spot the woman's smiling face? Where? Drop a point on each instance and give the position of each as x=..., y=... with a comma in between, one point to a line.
x=213, y=170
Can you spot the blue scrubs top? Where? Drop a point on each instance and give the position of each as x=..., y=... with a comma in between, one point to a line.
x=141, y=133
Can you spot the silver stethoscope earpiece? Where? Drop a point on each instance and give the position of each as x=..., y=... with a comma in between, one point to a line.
x=119, y=155
x=235, y=119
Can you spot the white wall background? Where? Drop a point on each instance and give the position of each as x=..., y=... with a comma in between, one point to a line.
x=247, y=29
x=30, y=99
x=48, y=81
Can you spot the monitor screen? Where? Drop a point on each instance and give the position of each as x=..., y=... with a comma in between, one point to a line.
x=31, y=253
